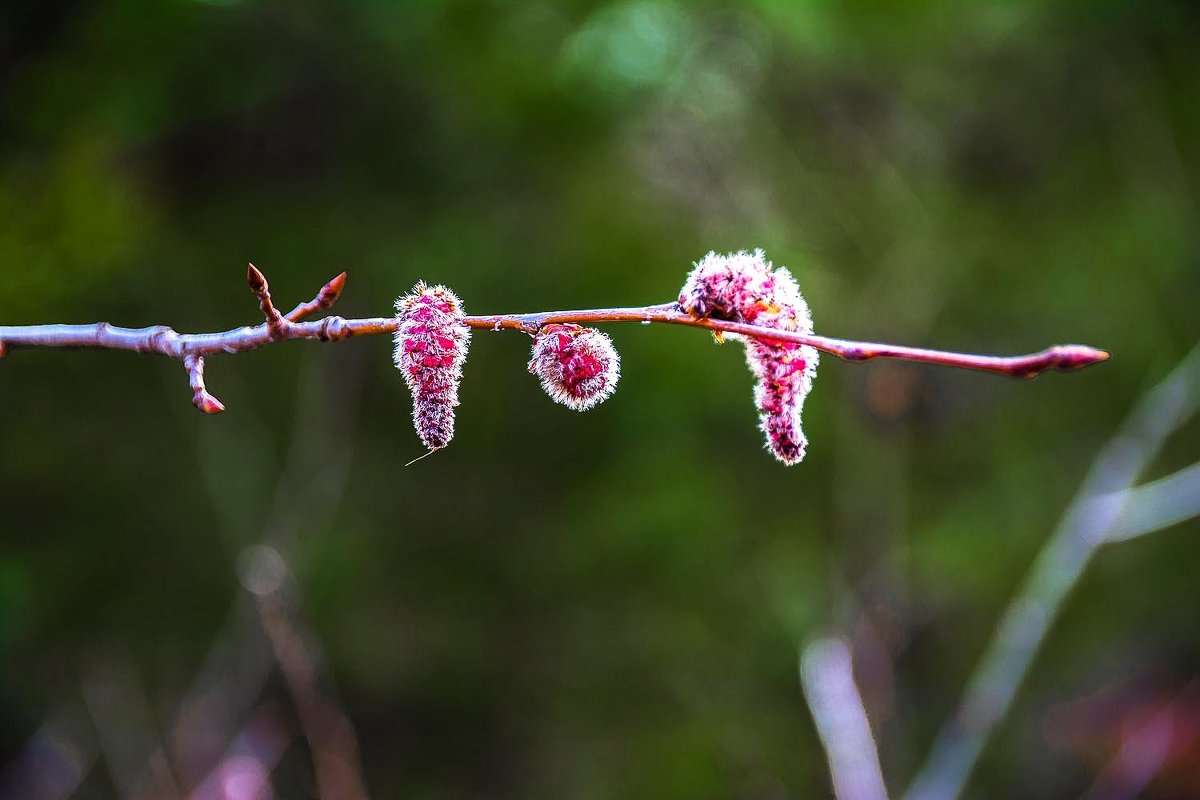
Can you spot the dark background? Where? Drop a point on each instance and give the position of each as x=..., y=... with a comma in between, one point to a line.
x=605, y=604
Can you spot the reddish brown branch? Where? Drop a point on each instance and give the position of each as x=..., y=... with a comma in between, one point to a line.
x=258, y=284
x=1060, y=357
x=201, y=399
x=192, y=348
x=325, y=298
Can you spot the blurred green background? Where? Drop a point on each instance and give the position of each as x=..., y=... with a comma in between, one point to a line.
x=605, y=604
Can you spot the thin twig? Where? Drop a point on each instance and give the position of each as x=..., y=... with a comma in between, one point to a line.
x=331, y=738
x=827, y=674
x=192, y=348
x=258, y=284
x=325, y=299
x=1084, y=528
x=120, y=712
x=1061, y=357
x=201, y=399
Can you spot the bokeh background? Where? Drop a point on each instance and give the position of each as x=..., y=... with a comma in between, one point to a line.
x=587, y=605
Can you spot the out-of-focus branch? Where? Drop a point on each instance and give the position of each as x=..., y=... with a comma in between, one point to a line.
x=1146, y=751
x=245, y=769
x=330, y=734
x=192, y=348
x=125, y=728
x=241, y=658
x=1153, y=506
x=54, y=762
x=826, y=672
x=1084, y=528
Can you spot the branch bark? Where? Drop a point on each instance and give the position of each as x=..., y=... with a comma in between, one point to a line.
x=191, y=349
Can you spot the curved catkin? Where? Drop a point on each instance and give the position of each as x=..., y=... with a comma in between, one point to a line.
x=785, y=372
x=743, y=287
x=579, y=367
x=430, y=350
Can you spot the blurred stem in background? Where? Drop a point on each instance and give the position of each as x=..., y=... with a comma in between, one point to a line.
x=1106, y=509
x=827, y=674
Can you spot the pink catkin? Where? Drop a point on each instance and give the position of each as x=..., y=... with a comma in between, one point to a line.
x=579, y=367
x=743, y=287
x=431, y=348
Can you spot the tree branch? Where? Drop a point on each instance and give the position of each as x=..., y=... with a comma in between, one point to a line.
x=1153, y=506
x=192, y=348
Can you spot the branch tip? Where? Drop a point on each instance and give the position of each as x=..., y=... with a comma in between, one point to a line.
x=207, y=403
x=1078, y=356
x=201, y=399
x=1061, y=357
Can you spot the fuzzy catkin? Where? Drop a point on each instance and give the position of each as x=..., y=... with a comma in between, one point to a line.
x=430, y=350
x=743, y=287
x=579, y=367
x=736, y=287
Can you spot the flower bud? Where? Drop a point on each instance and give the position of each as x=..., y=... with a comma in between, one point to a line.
x=737, y=287
x=742, y=287
x=431, y=348
x=578, y=366
x=785, y=372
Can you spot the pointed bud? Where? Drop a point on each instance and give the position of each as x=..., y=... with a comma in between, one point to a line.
x=579, y=367
x=331, y=291
x=255, y=279
x=207, y=403
x=430, y=350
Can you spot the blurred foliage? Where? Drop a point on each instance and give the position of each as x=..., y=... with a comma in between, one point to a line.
x=607, y=604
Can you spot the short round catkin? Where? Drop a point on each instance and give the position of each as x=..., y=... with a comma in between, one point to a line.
x=743, y=287
x=579, y=367
x=430, y=350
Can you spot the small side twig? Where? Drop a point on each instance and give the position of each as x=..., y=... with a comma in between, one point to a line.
x=201, y=399
x=324, y=300
x=258, y=284
x=827, y=675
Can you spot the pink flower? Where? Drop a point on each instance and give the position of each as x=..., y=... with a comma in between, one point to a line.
x=579, y=367
x=742, y=287
x=736, y=287
x=431, y=348
x=785, y=373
